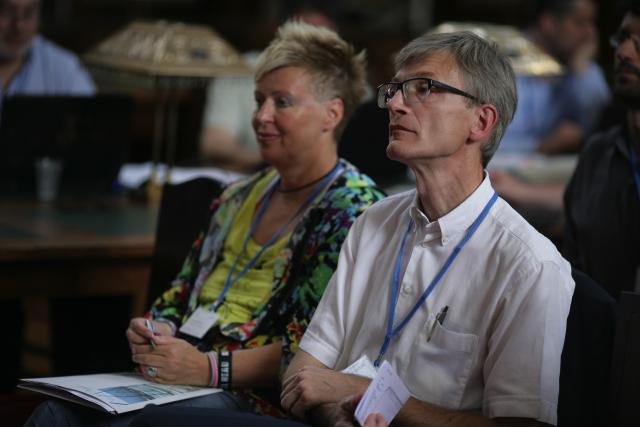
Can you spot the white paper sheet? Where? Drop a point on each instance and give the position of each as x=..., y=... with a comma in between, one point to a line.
x=386, y=395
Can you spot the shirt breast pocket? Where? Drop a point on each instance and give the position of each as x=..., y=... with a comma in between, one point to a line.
x=442, y=364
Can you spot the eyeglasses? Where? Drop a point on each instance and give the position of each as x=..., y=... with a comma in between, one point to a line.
x=415, y=90
x=620, y=37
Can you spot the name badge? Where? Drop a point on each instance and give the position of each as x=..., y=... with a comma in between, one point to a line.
x=199, y=322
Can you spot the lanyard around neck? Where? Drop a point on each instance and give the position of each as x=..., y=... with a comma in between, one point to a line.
x=230, y=281
x=391, y=331
x=634, y=166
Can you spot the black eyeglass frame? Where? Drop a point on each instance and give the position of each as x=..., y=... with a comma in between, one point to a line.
x=430, y=82
x=619, y=37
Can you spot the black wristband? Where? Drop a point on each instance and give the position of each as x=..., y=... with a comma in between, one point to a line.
x=224, y=370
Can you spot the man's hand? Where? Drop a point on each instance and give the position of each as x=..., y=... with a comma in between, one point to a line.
x=345, y=411
x=312, y=386
x=175, y=362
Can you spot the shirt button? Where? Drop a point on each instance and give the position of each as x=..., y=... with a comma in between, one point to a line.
x=406, y=289
x=444, y=240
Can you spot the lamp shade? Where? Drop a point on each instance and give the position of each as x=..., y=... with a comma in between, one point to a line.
x=161, y=53
x=526, y=58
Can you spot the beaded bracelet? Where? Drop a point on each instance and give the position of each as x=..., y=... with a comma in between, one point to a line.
x=224, y=370
x=212, y=356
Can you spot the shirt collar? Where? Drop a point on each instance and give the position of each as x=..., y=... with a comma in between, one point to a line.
x=455, y=222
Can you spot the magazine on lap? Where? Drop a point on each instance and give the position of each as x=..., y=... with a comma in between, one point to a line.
x=115, y=393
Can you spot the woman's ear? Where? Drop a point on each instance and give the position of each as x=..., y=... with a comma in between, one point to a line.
x=334, y=113
x=486, y=119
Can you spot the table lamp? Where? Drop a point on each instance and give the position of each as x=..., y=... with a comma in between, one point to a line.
x=165, y=58
x=526, y=58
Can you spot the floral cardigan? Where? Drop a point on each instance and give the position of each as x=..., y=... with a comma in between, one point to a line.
x=301, y=272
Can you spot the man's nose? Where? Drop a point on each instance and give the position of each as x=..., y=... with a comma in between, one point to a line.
x=626, y=49
x=397, y=102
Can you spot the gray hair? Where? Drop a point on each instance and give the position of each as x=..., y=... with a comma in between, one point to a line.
x=336, y=70
x=487, y=74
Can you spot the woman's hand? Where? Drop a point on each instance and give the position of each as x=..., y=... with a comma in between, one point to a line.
x=139, y=336
x=174, y=361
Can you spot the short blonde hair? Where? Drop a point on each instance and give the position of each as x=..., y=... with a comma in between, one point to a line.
x=336, y=70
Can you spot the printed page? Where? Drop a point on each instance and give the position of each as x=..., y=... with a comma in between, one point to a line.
x=115, y=393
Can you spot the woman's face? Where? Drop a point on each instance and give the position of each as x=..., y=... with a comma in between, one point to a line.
x=291, y=125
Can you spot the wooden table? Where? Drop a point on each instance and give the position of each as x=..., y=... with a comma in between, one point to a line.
x=72, y=248
x=76, y=248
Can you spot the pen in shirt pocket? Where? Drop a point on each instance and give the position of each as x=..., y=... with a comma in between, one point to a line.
x=152, y=328
x=439, y=319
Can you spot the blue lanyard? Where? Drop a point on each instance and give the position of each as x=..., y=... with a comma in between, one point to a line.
x=391, y=331
x=230, y=281
x=634, y=166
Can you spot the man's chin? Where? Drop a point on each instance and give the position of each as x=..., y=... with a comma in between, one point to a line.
x=12, y=53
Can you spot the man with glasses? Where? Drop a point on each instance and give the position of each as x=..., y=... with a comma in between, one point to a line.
x=445, y=282
x=602, y=201
x=30, y=64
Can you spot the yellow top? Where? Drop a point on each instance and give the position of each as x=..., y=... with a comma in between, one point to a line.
x=244, y=297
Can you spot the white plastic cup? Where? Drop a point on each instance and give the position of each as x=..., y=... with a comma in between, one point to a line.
x=48, y=172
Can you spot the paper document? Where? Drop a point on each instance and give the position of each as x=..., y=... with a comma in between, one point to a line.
x=386, y=395
x=362, y=367
x=115, y=393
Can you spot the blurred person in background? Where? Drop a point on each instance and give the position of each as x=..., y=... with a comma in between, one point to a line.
x=555, y=114
x=29, y=63
x=602, y=201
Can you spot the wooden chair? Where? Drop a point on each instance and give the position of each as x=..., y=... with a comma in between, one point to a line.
x=183, y=214
x=625, y=369
x=586, y=356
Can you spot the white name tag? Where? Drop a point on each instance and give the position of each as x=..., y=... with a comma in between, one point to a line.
x=199, y=322
x=362, y=367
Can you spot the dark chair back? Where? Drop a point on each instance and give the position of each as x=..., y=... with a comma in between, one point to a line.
x=625, y=369
x=183, y=214
x=586, y=356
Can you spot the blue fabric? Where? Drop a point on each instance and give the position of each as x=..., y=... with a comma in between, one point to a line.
x=50, y=70
x=59, y=413
x=545, y=102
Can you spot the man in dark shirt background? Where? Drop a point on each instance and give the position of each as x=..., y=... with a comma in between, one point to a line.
x=602, y=201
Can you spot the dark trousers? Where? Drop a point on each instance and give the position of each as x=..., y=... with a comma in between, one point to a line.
x=58, y=413
x=169, y=416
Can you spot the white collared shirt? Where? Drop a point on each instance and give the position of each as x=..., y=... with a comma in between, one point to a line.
x=508, y=295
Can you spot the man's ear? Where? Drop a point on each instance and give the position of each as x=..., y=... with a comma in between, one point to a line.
x=486, y=120
x=334, y=113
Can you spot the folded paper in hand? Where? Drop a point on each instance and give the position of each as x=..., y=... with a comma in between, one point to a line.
x=386, y=395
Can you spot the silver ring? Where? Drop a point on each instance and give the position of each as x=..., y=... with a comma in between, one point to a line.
x=152, y=371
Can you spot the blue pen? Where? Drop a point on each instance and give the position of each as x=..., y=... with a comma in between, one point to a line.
x=152, y=328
